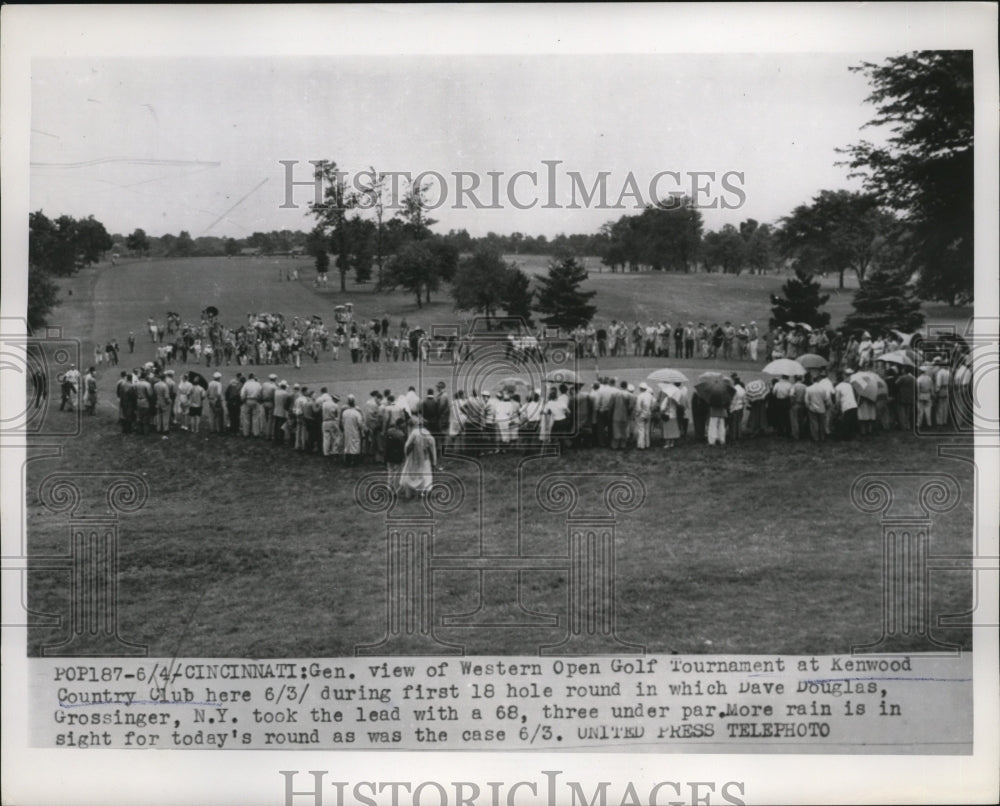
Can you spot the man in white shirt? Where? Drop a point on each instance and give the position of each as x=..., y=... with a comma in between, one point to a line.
x=250, y=396
x=825, y=382
x=330, y=415
x=281, y=401
x=216, y=410
x=818, y=400
x=643, y=416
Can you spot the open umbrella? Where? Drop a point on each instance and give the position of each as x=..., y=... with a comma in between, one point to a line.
x=784, y=366
x=667, y=376
x=715, y=389
x=869, y=385
x=804, y=326
x=812, y=361
x=562, y=376
x=673, y=391
x=211, y=310
x=513, y=383
x=756, y=390
x=198, y=378
x=897, y=357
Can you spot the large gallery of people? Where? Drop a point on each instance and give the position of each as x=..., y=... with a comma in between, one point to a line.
x=816, y=385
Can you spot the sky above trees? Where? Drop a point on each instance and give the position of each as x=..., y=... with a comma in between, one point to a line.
x=195, y=144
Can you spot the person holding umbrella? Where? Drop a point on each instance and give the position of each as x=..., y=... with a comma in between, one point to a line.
x=717, y=392
x=670, y=413
x=781, y=400
x=867, y=389
x=756, y=400
x=717, y=424
x=737, y=407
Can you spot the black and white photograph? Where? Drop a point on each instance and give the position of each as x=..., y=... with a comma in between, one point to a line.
x=515, y=390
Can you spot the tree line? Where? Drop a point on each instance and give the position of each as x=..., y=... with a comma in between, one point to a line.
x=908, y=231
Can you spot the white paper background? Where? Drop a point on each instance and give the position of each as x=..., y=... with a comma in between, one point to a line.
x=52, y=777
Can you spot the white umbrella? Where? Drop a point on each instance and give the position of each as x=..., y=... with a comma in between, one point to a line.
x=784, y=366
x=672, y=391
x=667, y=376
x=897, y=357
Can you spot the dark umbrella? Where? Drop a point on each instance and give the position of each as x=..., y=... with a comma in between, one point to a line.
x=198, y=378
x=715, y=389
x=211, y=310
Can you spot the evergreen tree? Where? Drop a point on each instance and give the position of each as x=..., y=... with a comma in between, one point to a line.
x=518, y=294
x=886, y=301
x=801, y=302
x=560, y=300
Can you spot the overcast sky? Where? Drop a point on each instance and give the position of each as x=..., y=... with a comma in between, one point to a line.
x=183, y=144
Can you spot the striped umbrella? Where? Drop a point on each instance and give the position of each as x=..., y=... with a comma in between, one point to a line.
x=756, y=390
x=869, y=385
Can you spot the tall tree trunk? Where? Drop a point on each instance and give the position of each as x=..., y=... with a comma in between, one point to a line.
x=841, y=286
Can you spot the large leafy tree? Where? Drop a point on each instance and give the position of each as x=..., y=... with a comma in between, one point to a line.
x=760, y=247
x=560, y=299
x=925, y=170
x=138, y=242
x=839, y=230
x=420, y=266
x=58, y=248
x=184, y=246
x=801, y=301
x=664, y=236
x=485, y=283
x=724, y=250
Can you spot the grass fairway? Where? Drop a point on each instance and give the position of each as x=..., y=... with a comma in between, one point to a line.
x=249, y=550
x=244, y=549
